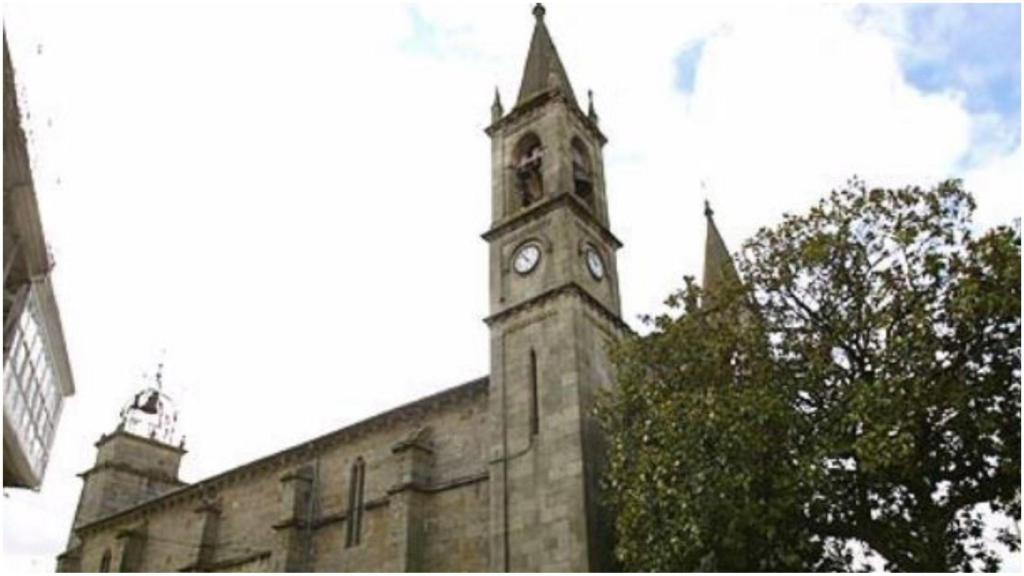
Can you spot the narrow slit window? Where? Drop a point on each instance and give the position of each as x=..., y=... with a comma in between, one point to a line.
x=534, y=400
x=354, y=521
x=105, y=562
x=359, y=500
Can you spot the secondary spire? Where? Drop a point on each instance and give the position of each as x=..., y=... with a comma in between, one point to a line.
x=718, y=265
x=544, y=69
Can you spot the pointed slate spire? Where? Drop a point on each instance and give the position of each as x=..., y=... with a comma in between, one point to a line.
x=718, y=265
x=543, y=69
x=591, y=113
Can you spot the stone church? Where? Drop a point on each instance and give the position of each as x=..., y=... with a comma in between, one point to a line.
x=497, y=474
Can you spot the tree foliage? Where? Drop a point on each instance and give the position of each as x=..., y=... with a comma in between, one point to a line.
x=859, y=390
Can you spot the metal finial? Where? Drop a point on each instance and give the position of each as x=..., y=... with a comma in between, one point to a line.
x=707, y=209
x=159, y=378
x=538, y=11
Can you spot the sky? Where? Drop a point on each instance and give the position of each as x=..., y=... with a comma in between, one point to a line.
x=284, y=201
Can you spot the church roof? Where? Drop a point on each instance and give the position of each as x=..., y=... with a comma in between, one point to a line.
x=544, y=68
x=718, y=265
x=302, y=451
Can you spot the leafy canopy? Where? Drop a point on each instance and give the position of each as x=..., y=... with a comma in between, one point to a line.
x=858, y=390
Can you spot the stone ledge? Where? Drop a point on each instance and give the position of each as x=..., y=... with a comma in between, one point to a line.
x=121, y=467
x=538, y=100
x=135, y=437
x=226, y=563
x=569, y=288
x=546, y=206
x=440, y=486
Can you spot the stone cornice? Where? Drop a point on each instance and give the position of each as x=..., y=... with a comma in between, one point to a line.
x=226, y=563
x=122, y=467
x=567, y=289
x=440, y=486
x=547, y=206
x=551, y=95
x=120, y=433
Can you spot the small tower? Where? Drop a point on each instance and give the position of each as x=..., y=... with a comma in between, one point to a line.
x=138, y=461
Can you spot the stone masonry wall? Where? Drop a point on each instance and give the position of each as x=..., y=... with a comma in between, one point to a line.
x=425, y=503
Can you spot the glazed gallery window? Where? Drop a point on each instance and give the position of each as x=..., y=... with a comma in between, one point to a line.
x=32, y=397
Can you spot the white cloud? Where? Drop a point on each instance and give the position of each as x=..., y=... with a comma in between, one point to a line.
x=289, y=198
x=997, y=185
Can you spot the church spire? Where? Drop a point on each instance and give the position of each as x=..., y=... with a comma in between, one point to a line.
x=543, y=69
x=718, y=265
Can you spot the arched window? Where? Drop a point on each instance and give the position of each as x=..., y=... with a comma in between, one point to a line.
x=582, y=172
x=529, y=155
x=357, y=481
x=105, y=561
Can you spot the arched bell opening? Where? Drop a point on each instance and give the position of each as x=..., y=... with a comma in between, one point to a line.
x=529, y=178
x=582, y=173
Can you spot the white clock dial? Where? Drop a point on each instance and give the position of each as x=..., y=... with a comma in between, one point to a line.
x=526, y=258
x=594, y=263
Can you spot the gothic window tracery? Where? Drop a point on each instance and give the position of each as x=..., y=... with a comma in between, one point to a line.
x=527, y=166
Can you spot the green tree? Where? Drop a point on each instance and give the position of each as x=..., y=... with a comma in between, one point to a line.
x=859, y=389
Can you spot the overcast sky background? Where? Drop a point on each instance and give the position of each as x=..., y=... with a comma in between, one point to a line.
x=288, y=197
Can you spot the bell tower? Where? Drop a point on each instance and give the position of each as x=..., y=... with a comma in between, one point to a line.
x=138, y=461
x=554, y=309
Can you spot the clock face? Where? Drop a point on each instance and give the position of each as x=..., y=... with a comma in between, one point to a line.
x=526, y=258
x=594, y=263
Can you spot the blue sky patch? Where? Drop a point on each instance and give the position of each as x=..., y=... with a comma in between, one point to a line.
x=424, y=36
x=428, y=38
x=973, y=49
x=686, y=66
